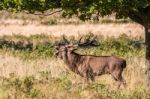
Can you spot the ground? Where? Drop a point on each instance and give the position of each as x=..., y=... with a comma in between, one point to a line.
x=37, y=74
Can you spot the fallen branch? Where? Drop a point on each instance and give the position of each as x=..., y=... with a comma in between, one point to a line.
x=45, y=14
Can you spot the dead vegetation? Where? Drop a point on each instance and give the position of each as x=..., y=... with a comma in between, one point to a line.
x=36, y=74
x=29, y=70
x=27, y=25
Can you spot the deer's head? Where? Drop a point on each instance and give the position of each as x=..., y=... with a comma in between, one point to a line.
x=60, y=51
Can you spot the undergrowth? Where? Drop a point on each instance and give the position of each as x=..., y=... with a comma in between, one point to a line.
x=45, y=86
x=42, y=46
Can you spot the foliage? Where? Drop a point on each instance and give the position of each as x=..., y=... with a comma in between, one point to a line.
x=20, y=88
x=42, y=46
x=123, y=46
x=81, y=8
x=44, y=84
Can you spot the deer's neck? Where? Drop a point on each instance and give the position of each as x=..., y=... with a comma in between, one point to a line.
x=65, y=59
x=73, y=58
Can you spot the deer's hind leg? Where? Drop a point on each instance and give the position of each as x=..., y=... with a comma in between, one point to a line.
x=117, y=75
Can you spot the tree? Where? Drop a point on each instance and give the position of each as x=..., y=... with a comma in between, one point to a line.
x=136, y=10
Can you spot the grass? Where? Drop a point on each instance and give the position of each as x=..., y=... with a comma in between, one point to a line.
x=41, y=46
x=33, y=72
x=47, y=87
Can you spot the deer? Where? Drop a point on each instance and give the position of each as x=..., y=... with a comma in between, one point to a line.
x=90, y=66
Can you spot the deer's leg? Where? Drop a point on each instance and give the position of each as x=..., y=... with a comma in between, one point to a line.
x=118, y=83
x=122, y=81
x=85, y=82
x=118, y=77
x=86, y=79
x=90, y=75
x=84, y=71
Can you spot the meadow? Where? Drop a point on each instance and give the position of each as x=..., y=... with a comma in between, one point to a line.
x=30, y=70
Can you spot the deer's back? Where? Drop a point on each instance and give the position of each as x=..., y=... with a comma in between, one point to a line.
x=103, y=64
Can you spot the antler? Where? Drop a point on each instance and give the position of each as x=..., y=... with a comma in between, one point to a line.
x=65, y=40
x=61, y=42
x=88, y=42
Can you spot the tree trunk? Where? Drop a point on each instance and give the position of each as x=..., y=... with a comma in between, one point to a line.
x=147, y=62
x=142, y=16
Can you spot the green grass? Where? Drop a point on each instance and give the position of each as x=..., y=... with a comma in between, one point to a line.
x=43, y=84
x=58, y=88
x=42, y=46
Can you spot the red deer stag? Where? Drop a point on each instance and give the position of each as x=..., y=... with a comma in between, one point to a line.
x=89, y=66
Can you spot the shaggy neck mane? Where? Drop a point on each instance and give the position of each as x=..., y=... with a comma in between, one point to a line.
x=72, y=59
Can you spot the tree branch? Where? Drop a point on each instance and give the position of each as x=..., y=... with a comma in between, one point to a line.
x=136, y=17
x=45, y=14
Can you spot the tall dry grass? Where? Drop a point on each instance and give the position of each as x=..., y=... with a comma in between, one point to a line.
x=41, y=69
x=35, y=74
x=26, y=24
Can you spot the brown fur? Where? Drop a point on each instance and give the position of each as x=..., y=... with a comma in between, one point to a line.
x=90, y=66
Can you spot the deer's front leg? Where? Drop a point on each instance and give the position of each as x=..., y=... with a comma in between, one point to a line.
x=84, y=73
x=90, y=75
x=86, y=80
